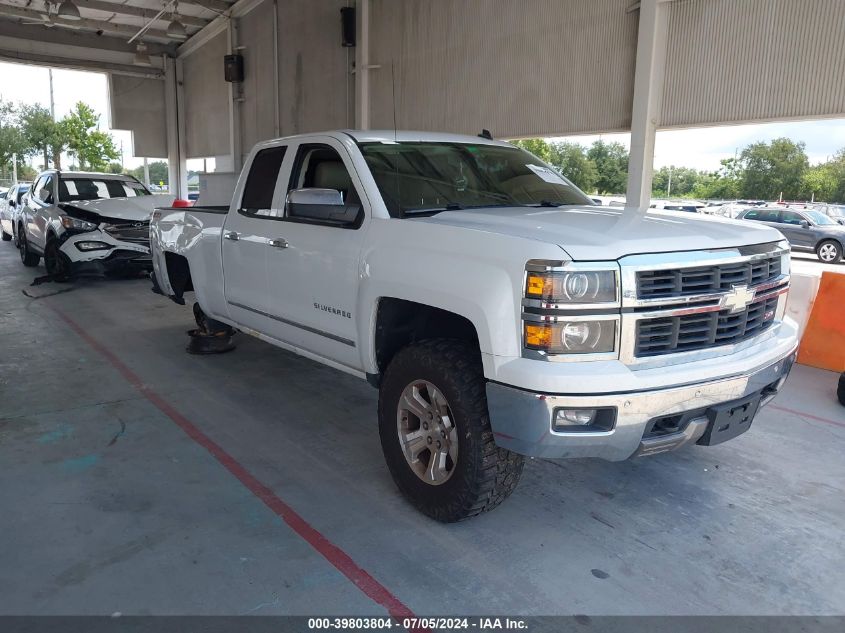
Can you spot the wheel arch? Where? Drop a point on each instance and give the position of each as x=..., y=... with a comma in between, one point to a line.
x=401, y=322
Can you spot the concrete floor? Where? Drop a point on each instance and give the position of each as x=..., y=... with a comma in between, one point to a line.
x=133, y=476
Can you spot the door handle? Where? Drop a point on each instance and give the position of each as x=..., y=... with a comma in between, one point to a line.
x=231, y=235
x=279, y=242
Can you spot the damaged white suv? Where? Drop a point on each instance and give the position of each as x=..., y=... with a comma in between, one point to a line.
x=86, y=223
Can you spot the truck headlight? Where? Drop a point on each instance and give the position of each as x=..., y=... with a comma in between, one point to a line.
x=577, y=286
x=75, y=224
x=572, y=337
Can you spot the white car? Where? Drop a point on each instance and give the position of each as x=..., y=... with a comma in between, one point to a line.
x=86, y=223
x=498, y=311
x=10, y=202
x=687, y=206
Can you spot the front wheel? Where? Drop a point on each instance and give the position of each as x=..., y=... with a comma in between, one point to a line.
x=28, y=258
x=56, y=262
x=435, y=432
x=829, y=252
x=6, y=236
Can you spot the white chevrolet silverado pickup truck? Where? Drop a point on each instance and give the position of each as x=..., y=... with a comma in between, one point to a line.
x=499, y=312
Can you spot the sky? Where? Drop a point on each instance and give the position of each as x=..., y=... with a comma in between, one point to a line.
x=700, y=148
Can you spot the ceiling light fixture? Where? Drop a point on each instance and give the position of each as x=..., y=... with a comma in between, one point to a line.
x=69, y=11
x=176, y=30
x=142, y=57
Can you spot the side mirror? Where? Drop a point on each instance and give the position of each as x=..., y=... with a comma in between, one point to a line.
x=44, y=194
x=805, y=224
x=12, y=203
x=321, y=205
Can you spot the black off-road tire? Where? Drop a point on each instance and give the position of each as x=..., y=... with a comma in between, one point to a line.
x=56, y=262
x=484, y=475
x=6, y=236
x=29, y=259
x=840, y=392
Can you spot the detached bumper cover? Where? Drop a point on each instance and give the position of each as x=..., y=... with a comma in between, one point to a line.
x=120, y=256
x=522, y=420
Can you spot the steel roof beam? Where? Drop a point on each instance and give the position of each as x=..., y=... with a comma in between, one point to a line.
x=84, y=23
x=127, y=9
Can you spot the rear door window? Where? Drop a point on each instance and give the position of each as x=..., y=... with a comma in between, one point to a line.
x=790, y=217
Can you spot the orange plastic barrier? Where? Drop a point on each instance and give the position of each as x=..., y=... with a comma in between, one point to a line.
x=823, y=344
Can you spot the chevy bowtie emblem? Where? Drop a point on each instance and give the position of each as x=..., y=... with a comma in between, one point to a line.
x=738, y=298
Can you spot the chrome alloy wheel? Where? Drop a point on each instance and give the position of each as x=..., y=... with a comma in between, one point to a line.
x=827, y=252
x=427, y=432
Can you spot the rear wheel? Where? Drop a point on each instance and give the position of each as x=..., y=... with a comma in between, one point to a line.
x=436, y=436
x=56, y=262
x=829, y=251
x=28, y=258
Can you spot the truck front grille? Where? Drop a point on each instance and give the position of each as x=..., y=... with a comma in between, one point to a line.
x=665, y=335
x=134, y=232
x=670, y=283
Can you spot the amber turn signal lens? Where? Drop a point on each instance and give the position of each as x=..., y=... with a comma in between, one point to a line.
x=538, y=336
x=536, y=285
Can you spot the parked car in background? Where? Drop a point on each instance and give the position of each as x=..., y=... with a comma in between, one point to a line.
x=688, y=206
x=833, y=211
x=806, y=229
x=10, y=203
x=87, y=222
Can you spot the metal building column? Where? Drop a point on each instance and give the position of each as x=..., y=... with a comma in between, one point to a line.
x=177, y=171
x=648, y=97
x=235, y=99
x=362, y=66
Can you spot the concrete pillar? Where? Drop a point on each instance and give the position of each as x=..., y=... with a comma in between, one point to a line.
x=177, y=171
x=648, y=96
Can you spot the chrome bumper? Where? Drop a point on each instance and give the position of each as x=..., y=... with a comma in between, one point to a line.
x=522, y=421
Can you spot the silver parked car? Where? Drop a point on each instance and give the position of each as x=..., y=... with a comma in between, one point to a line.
x=807, y=230
x=10, y=204
x=834, y=211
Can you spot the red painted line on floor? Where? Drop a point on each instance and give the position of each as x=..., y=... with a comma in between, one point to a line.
x=806, y=415
x=371, y=587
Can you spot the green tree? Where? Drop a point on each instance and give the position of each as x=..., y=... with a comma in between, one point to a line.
x=92, y=148
x=42, y=134
x=571, y=160
x=611, y=161
x=11, y=139
x=114, y=168
x=684, y=181
x=820, y=182
x=158, y=172
x=774, y=169
x=537, y=146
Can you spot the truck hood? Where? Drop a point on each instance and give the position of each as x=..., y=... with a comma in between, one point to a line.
x=136, y=209
x=604, y=233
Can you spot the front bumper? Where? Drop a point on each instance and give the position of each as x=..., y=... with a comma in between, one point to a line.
x=118, y=257
x=522, y=420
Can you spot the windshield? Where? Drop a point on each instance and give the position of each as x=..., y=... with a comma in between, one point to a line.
x=75, y=189
x=819, y=218
x=417, y=178
x=836, y=212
